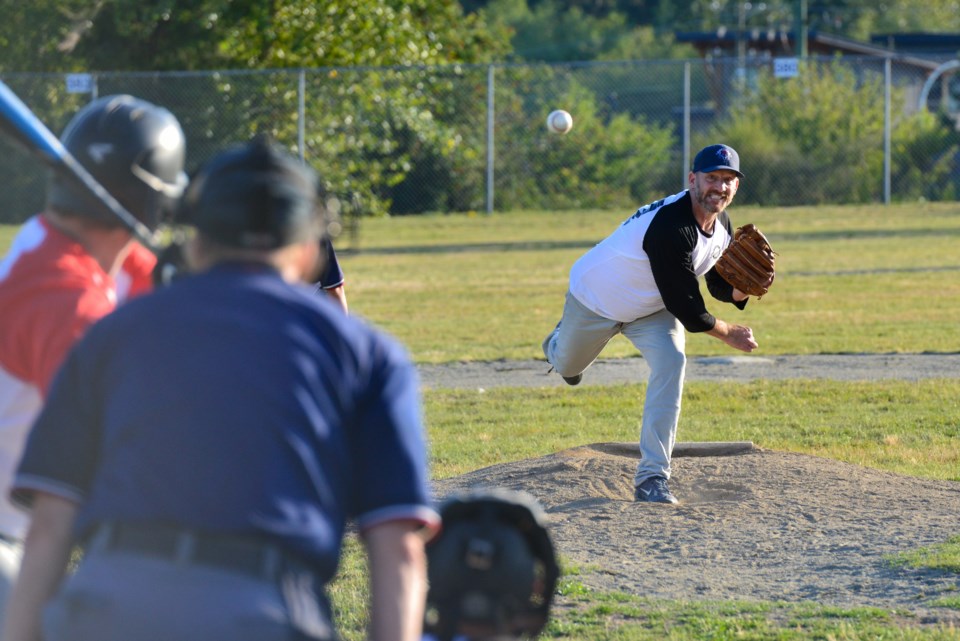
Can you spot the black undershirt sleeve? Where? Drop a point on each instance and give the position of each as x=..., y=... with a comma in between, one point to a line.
x=669, y=244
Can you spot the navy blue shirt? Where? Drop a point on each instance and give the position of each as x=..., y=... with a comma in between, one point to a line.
x=234, y=402
x=332, y=275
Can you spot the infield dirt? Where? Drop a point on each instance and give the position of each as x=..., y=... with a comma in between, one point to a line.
x=763, y=525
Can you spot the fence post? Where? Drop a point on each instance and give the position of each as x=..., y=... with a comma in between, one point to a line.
x=686, y=123
x=301, y=112
x=887, y=81
x=490, y=141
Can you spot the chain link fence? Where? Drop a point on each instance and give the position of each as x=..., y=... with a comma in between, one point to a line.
x=473, y=138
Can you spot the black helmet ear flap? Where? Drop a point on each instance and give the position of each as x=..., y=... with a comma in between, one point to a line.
x=492, y=569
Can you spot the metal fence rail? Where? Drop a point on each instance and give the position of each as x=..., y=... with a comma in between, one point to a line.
x=473, y=138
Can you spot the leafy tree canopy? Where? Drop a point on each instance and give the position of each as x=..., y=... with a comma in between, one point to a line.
x=553, y=31
x=358, y=32
x=123, y=35
x=34, y=36
x=858, y=19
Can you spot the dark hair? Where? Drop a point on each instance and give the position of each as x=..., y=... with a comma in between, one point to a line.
x=254, y=196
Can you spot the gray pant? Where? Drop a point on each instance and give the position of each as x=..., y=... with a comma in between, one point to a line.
x=120, y=596
x=582, y=335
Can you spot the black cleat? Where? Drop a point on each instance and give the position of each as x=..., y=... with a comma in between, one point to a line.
x=573, y=380
x=654, y=490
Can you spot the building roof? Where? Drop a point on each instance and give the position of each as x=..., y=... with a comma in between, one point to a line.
x=937, y=44
x=778, y=42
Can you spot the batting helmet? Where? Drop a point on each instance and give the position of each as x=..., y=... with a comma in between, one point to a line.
x=255, y=196
x=135, y=149
x=492, y=569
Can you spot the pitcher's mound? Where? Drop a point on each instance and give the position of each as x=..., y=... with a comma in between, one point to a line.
x=754, y=524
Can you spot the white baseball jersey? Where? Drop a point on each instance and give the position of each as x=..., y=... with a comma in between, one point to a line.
x=651, y=262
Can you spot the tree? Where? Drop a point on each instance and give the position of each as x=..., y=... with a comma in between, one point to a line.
x=39, y=35
x=830, y=150
x=658, y=13
x=367, y=130
x=258, y=34
x=597, y=165
x=554, y=31
x=858, y=19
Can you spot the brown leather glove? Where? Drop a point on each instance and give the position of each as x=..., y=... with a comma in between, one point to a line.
x=748, y=262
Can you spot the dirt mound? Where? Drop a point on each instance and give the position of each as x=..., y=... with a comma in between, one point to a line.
x=762, y=525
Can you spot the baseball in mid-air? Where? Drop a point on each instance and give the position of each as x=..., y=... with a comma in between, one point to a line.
x=559, y=122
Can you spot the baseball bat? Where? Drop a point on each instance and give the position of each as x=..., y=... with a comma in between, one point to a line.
x=22, y=125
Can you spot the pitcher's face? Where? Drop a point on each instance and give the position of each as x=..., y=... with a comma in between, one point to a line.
x=714, y=191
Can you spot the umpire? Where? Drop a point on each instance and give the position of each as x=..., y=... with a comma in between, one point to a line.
x=206, y=444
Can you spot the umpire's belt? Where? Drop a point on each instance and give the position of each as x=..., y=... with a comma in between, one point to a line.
x=242, y=554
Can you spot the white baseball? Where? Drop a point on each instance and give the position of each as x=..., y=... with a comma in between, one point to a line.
x=559, y=122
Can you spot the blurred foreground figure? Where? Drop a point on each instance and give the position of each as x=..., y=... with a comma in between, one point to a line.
x=207, y=443
x=72, y=264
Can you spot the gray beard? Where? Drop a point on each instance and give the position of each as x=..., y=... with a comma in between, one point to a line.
x=703, y=202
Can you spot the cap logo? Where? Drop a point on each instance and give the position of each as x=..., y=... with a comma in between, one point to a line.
x=717, y=157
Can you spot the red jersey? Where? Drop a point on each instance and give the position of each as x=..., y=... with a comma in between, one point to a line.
x=51, y=291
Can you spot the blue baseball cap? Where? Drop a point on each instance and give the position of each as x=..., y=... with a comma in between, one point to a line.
x=717, y=157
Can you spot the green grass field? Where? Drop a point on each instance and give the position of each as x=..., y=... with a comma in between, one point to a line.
x=850, y=279
x=860, y=279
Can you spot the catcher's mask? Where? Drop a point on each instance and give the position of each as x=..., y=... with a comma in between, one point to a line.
x=133, y=148
x=492, y=569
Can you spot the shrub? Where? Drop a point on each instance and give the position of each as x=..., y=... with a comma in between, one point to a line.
x=816, y=138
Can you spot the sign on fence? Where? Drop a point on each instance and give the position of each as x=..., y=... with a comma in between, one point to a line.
x=79, y=83
x=786, y=67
